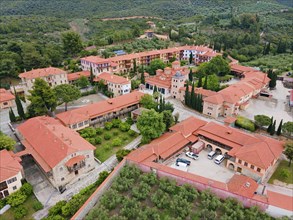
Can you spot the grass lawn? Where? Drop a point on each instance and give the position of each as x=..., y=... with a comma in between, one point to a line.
x=28, y=204
x=278, y=173
x=105, y=149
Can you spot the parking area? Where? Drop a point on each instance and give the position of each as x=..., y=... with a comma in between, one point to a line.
x=203, y=167
x=276, y=107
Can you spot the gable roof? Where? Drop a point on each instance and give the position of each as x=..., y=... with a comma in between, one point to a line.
x=5, y=95
x=9, y=165
x=77, y=75
x=112, y=78
x=43, y=72
x=95, y=59
x=49, y=142
x=99, y=108
x=242, y=185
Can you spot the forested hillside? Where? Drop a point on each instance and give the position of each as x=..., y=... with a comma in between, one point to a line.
x=32, y=31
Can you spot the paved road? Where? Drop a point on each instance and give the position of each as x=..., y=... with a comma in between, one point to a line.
x=83, y=181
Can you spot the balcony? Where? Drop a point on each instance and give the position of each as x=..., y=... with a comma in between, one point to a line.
x=76, y=167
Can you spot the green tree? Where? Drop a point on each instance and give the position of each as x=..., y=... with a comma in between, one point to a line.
x=6, y=142
x=289, y=151
x=155, y=89
x=262, y=120
x=82, y=82
x=190, y=75
x=168, y=119
x=187, y=95
x=273, y=129
x=273, y=82
x=192, y=97
x=120, y=154
x=72, y=43
x=92, y=75
x=154, y=65
x=12, y=115
x=43, y=99
x=279, y=131
x=8, y=67
x=205, y=85
x=19, y=107
x=213, y=83
x=190, y=58
x=288, y=127
x=147, y=101
x=199, y=84
x=151, y=125
x=142, y=78
x=219, y=65
x=271, y=124
x=66, y=93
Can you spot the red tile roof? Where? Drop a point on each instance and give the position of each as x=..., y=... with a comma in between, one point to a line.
x=74, y=160
x=50, y=142
x=214, y=99
x=6, y=95
x=9, y=165
x=188, y=126
x=241, y=69
x=242, y=185
x=99, y=108
x=280, y=200
x=37, y=73
x=203, y=92
x=112, y=78
x=77, y=75
x=95, y=59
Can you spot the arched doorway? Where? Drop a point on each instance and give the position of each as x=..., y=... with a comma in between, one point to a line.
x=209, y=147
x=218, y=151
x=231, y=166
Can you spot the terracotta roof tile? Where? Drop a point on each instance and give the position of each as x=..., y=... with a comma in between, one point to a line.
x=51, y=141
x=6, y=95
x=113, y=78
x=242, y=185
x=188, y=126
x=37, y=73
x=214, y=99
x=280, y=200
x=9, y=165
x=95, y=59
x=77, y=75
x=74, y=160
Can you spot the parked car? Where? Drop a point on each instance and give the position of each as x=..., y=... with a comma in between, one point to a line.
x=219, y=159
x=191, y=155
x=180, y=164
x=211, y=155
x=182, y=160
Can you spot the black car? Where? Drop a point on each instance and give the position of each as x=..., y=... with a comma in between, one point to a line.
x=182, y=160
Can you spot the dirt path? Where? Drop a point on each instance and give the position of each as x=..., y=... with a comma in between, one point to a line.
x=131, y=17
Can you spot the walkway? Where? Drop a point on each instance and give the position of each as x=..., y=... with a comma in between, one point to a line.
x=83, y=181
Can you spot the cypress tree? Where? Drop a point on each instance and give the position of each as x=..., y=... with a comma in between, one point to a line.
x=19, y=107
x=190, y=57
x=273, y=129
x=187, y=98
x=155, y=89
x=279, y=131
x=190, y=75
x=270, y=126
x=197, y=102
x=205, y=85
x=92, y=75
x=161, y=104
x=199, y=84
x=200, y=103
x=192, y=97
x=142, y=79
x=12, y=115
x=273, y=82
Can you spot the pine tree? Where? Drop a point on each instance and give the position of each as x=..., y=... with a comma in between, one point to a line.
x=279, y=131
x=12, y=115
x=192, y=97
x=92, y=75
x=190, y=75
x=199, y=84
x=19, y=107
x=187, y=96
x=142, y=79
x=273, y=129
x=205, y=85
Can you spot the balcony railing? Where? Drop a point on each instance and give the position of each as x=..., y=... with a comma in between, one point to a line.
x=77, y=167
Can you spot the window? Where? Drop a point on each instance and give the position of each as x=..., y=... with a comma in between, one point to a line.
x=74, y=126
x=252, y=167
x=5, y=103
x=11, y=180
x=239, y=161
x=245, y=164
x=62, y=179
x=258, y=170
x=14, y=188
x=80, y=124
x=210, y=108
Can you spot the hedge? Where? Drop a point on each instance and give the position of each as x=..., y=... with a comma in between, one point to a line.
x=245, y=123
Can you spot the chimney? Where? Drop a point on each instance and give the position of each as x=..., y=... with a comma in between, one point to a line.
x=229, y=132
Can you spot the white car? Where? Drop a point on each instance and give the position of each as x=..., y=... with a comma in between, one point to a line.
x=191, y=155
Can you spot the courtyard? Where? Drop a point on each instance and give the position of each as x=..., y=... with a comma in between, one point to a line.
x=203, y=167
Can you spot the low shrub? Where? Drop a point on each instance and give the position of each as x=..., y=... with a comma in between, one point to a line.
x=284, y=173
x=57, y=208
x=27, y=189
x=16, y=198
x=116, y=123
x=99, y=130
x=116, y=142
x=107, y=147
x=19, y=212
x=91, y=140
x=108, y=125
x=37, y=206
x=129, y=121
x=124, y=127
x=245, y=123
x=131, y=133
x=107, y=136
x=98, y=140
x=120, y=154
x=124, y=137
x=2, y=203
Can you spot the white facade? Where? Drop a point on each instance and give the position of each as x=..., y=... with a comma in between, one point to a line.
x=10, y=185
x=97, y=68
